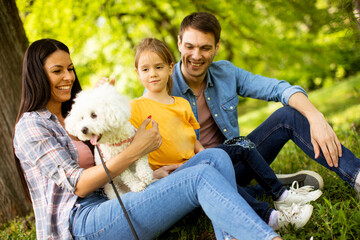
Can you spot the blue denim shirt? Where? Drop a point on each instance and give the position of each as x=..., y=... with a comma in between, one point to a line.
x=224, y=83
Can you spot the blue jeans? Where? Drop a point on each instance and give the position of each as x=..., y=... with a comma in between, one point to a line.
x=207, y=180
x=284, y=124
x=252, y=162
x=287, y=123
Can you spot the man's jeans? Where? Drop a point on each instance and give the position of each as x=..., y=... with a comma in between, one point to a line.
x=284, y=124
x=206, y=180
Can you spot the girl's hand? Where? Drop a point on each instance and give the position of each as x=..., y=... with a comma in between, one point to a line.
x=165, y=171
x=104, y=80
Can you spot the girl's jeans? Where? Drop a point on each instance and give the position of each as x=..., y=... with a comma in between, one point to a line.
x=207, y=180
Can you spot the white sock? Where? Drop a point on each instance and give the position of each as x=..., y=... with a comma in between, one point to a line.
x=357, y=183
x=273, y=219
x=283, y=195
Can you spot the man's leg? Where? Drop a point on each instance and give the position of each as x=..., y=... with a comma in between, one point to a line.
x=287, y=123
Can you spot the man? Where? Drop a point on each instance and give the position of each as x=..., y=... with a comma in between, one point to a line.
x=212, y=88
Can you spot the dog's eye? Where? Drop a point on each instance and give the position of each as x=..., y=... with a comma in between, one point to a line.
x=93, y=115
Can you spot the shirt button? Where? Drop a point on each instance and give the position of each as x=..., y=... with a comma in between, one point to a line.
x=193, y=103
x=216, y=115
x=231, y=107
x=208, y=98
x=225, y=130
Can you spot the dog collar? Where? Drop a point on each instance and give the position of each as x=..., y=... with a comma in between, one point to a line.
x=125, y=141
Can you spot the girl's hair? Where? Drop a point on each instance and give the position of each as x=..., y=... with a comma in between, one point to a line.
x=161, y=49
x=36, y=92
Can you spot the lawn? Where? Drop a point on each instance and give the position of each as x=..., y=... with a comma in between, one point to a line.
x=336, y=214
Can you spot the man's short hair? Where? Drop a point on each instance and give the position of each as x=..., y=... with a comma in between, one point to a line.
x=203, y=22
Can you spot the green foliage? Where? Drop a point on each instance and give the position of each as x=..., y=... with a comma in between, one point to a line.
x=336, y=214
x=19, y=229
x=310, y=43
x=340, y=104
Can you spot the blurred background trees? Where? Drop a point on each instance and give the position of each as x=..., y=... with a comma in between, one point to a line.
x=312, y=43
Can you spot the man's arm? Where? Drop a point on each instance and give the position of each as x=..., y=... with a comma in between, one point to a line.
x=322, y=135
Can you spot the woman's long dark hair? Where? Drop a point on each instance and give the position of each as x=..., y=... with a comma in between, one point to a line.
x=36, y=92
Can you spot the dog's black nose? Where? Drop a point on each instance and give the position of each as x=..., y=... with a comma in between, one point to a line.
x=84, y=130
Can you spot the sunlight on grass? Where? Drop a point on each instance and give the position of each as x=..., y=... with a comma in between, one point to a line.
x=336, y=214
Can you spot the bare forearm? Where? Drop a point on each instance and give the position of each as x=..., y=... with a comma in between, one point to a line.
x=144, y=141
x=301, y=103
x=323, y=136
x=96, y=177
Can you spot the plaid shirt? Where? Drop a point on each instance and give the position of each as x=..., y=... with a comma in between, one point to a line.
x=50, y=164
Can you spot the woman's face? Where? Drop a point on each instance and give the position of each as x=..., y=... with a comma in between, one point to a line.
x=60, y=72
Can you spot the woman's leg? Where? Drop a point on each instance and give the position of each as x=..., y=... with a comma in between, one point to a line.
x=219, y=159
x=215, y=158
x=166, y=201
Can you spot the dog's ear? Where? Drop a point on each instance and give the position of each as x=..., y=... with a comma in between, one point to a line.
x=120, y=112
x=74, y=116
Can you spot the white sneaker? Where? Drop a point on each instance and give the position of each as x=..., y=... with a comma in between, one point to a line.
x=304, y=178
x=298, y=195
x=296, y=215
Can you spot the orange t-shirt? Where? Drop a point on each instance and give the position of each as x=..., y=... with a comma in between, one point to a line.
x=177, y=125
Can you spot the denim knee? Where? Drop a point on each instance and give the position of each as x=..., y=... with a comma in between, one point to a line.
x=219, y=159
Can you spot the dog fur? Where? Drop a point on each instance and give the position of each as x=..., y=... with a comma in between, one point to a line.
x=101, y=115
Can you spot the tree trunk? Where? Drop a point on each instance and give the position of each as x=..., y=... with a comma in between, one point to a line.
x=13, y=43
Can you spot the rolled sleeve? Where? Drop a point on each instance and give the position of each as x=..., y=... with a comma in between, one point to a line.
x=50, y=165
x=48, y=150
x=67, y=180
x=289, y=92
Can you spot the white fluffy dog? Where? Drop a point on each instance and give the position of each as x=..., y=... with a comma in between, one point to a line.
x=101, y=115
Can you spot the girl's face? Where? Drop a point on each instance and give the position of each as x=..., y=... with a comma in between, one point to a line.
x=60, y=72
x=153, y=72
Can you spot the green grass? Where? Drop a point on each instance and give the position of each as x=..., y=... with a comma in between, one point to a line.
x=336, y=214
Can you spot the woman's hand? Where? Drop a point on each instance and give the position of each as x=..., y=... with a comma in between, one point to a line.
x=147, y=140
x=104, y=80
x=144, y=141
x=165, y=171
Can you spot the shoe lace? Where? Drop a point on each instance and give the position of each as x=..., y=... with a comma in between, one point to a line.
x=291, y=212
x=303, y=190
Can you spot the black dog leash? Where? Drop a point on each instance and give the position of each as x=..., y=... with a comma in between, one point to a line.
x=117, y=194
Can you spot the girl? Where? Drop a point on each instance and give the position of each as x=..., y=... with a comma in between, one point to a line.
x=67, y=199
x=154, y=65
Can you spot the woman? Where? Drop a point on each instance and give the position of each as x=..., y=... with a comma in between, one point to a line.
x=67, y=199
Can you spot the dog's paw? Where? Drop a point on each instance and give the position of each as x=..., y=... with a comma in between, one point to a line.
x=140, y=186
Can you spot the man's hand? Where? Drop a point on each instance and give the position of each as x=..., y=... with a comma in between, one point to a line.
x=165, y=171
x=323, y=137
